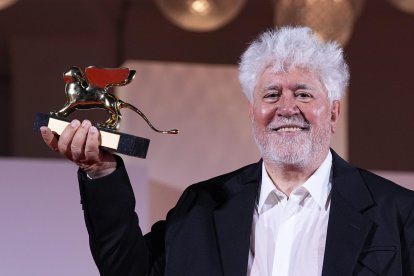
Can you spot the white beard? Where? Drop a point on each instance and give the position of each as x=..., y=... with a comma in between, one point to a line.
x=298, y=151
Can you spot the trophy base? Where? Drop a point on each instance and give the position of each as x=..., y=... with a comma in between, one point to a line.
x=111, y=140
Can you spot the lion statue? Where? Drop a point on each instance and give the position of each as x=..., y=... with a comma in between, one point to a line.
x=92, y=92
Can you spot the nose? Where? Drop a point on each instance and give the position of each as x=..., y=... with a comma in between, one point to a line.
x=287, y=106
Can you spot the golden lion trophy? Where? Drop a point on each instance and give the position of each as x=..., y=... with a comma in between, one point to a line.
x=91, y=92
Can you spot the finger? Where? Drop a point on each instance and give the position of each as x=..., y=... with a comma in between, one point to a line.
x=66, y=137
x=49, y=138
x=78, y=142
x=92, y=151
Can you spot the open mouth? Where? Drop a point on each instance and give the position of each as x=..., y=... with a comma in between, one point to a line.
x=290, y=128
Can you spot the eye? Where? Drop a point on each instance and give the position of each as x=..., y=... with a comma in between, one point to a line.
x=271, y=96
x=303, y=96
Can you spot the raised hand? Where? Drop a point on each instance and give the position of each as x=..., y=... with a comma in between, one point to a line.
x=80, y=144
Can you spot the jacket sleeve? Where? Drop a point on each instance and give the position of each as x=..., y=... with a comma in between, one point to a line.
x=116, y=241
x=408, y=244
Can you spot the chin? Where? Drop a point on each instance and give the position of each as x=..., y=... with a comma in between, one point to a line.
x=298, y=151
x=297, y=157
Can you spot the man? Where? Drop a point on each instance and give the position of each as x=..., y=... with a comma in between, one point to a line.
x=301, y=210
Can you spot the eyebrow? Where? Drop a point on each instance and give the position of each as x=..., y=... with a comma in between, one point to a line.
x=298, y=86
x=301, y=86
x=271, y=87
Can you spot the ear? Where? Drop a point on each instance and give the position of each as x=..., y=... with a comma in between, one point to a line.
x=335, y=111
x=250, y=107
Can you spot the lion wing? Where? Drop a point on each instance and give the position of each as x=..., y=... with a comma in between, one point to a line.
x=107, y=77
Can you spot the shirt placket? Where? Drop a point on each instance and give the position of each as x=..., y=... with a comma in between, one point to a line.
x=287, y=231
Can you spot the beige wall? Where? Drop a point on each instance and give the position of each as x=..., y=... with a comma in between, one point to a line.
x=206, y=104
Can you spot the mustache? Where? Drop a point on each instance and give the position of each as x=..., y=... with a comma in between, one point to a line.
x=297, y=121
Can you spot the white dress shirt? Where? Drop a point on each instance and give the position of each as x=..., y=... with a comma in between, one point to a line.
x=289, y=234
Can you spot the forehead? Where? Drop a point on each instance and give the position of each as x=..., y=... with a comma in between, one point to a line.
x=292, y=78
x=293, y=75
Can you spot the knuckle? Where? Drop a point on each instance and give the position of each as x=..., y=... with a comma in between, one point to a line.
x=91, y=153
x=76, y=151
x=62, y=147
x=45, y=136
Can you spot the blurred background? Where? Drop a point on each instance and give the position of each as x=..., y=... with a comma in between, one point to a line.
x=185, y=53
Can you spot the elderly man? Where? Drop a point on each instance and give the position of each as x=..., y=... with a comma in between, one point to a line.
x=301, y=210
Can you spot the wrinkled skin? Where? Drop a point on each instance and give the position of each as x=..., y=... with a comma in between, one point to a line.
x=293, y=119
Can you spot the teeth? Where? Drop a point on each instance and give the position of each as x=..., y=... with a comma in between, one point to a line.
x=289, y=129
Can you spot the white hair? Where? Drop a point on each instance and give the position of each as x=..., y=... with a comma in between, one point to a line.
x=290, y=47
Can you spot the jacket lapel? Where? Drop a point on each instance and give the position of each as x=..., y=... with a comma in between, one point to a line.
x=347, y=227
x=233, y=219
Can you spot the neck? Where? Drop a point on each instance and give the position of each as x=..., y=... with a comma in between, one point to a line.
x=287, y=177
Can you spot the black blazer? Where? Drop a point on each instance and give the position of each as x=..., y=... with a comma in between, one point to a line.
x=370, y=229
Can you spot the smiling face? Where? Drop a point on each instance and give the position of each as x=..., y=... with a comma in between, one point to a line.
x=292, y=117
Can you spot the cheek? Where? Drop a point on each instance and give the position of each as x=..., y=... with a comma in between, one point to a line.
x=262, y=114
x=318, y=114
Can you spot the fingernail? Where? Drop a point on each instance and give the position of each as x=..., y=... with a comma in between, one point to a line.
x=75, y=123
x=43, y=130
x=86, y=123
x=93, y=129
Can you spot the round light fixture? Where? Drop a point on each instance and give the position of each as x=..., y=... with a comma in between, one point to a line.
x=6, y=3
x=200, y=15
x=330, y=19
x=404, y=5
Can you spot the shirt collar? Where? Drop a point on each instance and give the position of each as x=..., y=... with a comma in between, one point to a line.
x=318, y=184
x=266, y=188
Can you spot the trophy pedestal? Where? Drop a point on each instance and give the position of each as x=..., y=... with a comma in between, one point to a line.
x=111, y=140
